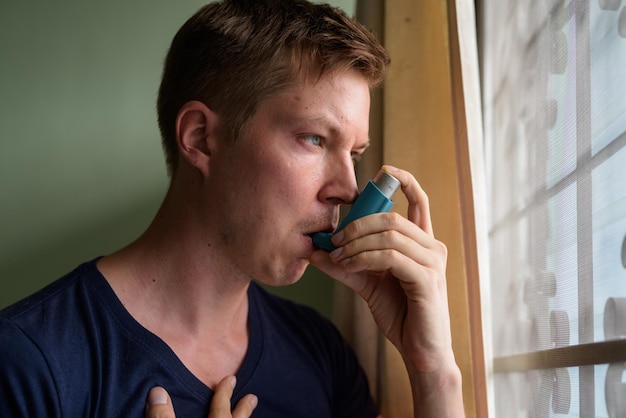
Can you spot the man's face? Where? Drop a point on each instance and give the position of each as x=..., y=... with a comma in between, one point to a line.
x=287, y=175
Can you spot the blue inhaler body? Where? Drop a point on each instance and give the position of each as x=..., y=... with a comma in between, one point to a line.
x=375, y=198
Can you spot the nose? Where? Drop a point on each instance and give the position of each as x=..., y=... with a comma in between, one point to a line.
x=340, y=186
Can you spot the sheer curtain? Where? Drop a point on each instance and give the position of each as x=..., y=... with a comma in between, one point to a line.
x=554, y=92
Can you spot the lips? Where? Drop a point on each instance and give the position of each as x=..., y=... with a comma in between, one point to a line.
x=326, y=223
x=320, y=237
x=328, y=229
x=325, y=230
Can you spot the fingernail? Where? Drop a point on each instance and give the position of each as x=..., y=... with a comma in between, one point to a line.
x=346, y=261
x=157, y=396
x=254, y=401
x=233, y=381
x=338, y=237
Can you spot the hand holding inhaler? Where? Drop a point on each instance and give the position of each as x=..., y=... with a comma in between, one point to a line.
x=375, y=198
x=398, y=267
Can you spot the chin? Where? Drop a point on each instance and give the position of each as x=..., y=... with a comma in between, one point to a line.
x=286, y=276
x=281, y=283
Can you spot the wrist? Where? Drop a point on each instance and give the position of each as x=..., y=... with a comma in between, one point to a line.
x=438, y=393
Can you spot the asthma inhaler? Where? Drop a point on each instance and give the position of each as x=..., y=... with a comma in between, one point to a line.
x=375, y=198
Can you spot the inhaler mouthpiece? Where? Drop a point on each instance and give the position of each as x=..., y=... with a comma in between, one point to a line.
x=375, y=198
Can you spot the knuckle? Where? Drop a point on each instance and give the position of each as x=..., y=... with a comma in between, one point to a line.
x=391, y=255
x=354, y=227
x=392, y=219
x=441, y=248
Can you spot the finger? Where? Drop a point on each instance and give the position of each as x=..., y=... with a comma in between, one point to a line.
x=379, y=224
x=418, y=205
x=159, y=404
x=397, y=264
x=220, y=405
x=245, y=406
x=431, y=256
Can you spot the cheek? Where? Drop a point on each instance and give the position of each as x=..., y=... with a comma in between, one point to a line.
x=260, y=212
x=271, y=191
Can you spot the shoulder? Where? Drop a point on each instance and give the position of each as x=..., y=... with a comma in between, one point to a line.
x=32, y=327
x=16, y=348
x=62, y=318
x=56, y=315
x=56, y=294
x=54, y=347
x=50, y=324
x=23, y=372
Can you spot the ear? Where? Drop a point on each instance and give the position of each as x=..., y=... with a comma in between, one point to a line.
x=196, y=128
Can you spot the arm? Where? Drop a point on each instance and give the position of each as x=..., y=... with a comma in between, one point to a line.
x=398, y=267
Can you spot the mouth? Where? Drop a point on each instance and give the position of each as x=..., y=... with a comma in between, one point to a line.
x=322, y=240
x=329, y=229
x=321, y=232
x=327, y=223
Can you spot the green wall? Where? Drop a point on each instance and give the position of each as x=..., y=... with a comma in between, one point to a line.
x=81, y=166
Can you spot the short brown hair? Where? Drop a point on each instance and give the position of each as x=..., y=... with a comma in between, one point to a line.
x=232, y=54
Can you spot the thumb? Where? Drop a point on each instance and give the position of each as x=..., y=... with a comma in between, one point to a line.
x=159, y=404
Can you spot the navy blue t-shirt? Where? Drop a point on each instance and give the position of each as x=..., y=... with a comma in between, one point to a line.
x=72, y=350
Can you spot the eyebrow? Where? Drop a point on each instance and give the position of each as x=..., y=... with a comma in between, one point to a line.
x=365, y=146
x=361, y=148
x=323, y=121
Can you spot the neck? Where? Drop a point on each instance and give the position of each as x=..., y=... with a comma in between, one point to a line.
x=175, y=282
x=173, y=276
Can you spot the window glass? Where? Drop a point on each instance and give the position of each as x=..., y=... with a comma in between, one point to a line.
x=554, y=94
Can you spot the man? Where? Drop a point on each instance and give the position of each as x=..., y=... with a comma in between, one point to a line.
x=263, y=108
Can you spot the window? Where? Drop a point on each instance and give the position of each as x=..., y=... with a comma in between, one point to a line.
x=554, y=96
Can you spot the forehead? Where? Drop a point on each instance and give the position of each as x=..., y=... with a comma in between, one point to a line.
x=336, y=98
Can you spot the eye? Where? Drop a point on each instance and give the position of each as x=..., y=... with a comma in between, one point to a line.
x=313, y=139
